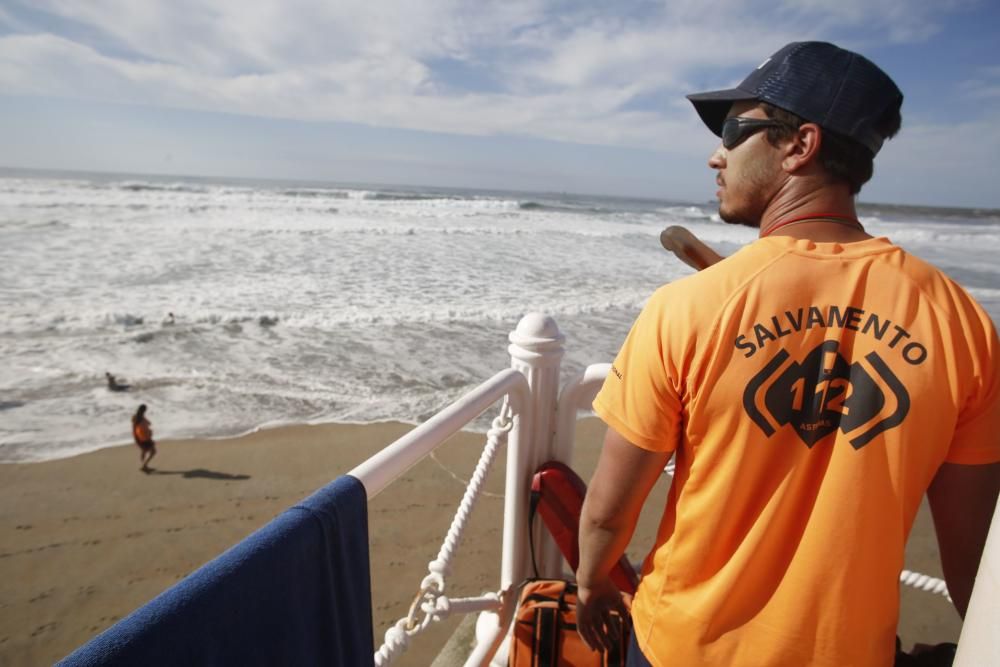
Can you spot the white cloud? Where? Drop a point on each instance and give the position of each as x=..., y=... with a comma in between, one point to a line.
x=897, y=20
x=939, y=163
x=230, y=37
x=984, y=86
x=379, y=90
x=567, y=72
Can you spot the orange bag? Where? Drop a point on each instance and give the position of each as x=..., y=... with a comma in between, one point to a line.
x=545, y=630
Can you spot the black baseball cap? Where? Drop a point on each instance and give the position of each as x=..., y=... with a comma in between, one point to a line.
x=839, y=90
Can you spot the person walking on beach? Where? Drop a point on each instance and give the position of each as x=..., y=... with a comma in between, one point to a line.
x=813, y=387
x=142, y=433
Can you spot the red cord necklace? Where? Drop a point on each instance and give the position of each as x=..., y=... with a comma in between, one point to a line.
x=820, y=217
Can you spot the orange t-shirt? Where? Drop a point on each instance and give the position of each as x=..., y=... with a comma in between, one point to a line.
x=811, y=391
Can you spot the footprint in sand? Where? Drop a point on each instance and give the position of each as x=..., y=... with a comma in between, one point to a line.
x=41, y=596
x=41, y=629
x=23, y=526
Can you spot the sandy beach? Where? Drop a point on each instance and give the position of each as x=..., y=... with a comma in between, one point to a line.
x=86, y=540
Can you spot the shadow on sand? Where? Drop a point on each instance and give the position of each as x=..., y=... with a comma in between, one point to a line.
x=198, y=473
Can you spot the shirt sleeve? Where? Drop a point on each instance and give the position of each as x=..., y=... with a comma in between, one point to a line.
x=640, y=398
x=977, y=434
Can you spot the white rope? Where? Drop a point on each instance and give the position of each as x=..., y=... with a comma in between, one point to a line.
x=496, y=436
x=397, y=638
x=924, y=583
x=430, y=599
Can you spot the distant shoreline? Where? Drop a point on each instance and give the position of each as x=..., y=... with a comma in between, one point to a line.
x=34, y=172
x=223, y=436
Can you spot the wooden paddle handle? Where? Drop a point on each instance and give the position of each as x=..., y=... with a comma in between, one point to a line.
x=688, y=248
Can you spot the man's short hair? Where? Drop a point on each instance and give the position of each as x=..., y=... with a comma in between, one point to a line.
x=843, y=159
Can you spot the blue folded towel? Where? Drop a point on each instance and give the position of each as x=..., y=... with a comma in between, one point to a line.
x=296, y=592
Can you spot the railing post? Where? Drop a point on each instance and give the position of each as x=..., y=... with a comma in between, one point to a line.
x=978, y=640
x=536, y=350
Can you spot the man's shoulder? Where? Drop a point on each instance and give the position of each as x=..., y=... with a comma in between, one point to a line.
x=717, y=283
x=944, y=291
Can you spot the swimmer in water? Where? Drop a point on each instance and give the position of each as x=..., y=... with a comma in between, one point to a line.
x=114, y=384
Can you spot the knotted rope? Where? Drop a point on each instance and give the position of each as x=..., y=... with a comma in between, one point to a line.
x=430, y=600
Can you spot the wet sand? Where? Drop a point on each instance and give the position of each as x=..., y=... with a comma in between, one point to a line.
x=86, y=540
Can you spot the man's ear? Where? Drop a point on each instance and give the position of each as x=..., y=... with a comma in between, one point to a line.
x=802, y=148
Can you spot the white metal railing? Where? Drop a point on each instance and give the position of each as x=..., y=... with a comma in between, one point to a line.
x=979, y=643
x=381, y=469
x=578, y=394
x=431, y=600
x=530, y=385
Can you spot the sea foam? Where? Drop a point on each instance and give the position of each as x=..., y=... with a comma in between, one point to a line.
x=306, y=303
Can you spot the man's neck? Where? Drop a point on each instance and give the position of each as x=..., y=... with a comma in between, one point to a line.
x=824, y=215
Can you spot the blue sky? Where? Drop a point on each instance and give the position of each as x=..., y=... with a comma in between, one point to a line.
x=546, y=95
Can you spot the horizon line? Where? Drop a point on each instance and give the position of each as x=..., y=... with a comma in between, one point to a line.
x=371, y=185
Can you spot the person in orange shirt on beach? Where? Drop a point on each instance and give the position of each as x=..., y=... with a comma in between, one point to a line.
x=812, y=387
x=142, y=433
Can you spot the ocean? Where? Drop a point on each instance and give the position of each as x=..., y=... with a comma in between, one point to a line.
x=311, y=302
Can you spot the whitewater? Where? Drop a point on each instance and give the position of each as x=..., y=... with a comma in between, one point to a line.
x=309, y=302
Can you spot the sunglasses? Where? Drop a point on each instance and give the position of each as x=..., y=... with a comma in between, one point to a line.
x=737, y=129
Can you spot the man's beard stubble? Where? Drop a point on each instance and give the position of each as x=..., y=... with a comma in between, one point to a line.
x=755, y=181
x=734, y=218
